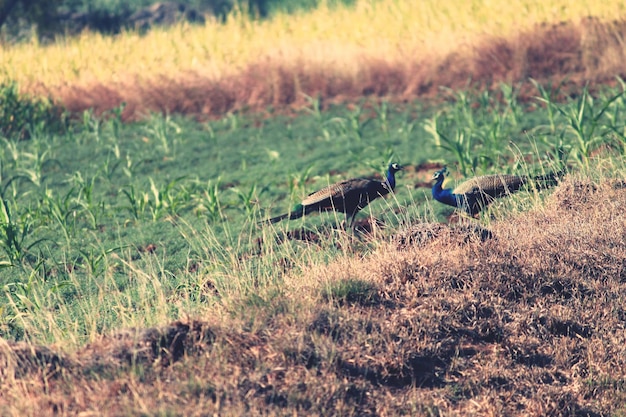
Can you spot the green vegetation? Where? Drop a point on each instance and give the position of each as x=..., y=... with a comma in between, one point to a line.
x=108, y=225
x=21, y=115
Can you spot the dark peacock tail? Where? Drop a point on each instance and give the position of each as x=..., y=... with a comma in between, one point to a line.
x=477, y=193
x=295, y=214
x=348, y=197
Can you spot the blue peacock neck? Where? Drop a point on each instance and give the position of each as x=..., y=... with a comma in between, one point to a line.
x=444, y=196
x=391, y=178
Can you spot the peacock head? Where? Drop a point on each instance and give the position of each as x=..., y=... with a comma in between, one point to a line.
x=440, y=175
x=391, y=175
x=394, y=167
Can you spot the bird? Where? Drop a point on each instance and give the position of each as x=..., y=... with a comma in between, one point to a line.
x=349, y=196
x=475, y=194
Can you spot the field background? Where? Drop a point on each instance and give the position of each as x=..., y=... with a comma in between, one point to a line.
x=392, y=49
x=136, y=278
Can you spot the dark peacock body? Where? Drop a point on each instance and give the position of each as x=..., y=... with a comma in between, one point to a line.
x=477, y=193
x=348, y=197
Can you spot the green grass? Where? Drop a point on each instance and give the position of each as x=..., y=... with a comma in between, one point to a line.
x=110, y=225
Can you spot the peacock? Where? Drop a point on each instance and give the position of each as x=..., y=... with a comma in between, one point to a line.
x=477, y=193
x=349, y=196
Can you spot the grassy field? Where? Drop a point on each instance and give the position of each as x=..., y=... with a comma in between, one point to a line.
x=89, y=211
x=135, y=278
x=109, y=226
x=105, y=197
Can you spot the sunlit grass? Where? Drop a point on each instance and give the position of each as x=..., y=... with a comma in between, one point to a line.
x=107, y=225
x=341, y=36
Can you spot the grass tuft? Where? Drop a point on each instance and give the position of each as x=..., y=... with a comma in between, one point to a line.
x=351, y=291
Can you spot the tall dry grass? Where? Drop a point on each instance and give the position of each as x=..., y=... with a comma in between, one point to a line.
x=394, y=48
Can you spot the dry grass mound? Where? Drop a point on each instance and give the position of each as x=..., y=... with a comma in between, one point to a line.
x=529, y=321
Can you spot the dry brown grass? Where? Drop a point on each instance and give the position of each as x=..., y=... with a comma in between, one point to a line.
x=525, y=320
x=586, y=51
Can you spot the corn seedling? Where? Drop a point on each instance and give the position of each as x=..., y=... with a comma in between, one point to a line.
x=164, y=131
x=85, y=198
x=95, y=259
x=63, y=210
x=247, y=201
x=137, y=201
x=460, y=144
x=14, y=235
x=167, y=200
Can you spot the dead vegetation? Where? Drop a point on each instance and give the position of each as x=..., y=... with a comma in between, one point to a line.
x=572, y=53
x=527, y=319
